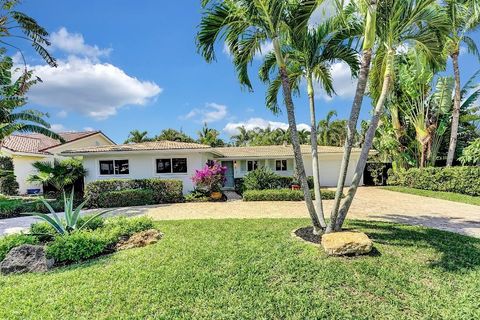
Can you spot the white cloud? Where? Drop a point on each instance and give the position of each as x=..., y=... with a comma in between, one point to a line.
x=73, y=43
x=265, y=48
x=89, y=129
x=231, y=128
x=326, y=10
x=97, y=90
x=343, y=83
x=212, y=112
x=57, y=127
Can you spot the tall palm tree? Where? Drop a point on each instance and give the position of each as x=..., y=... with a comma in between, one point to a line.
x=400, y=23
x=137, y=136
x=309, y=55
x=209, y=136
x=369, y=13
x=463, y=18
x=242, y=138
x=12, y=98
x=173, y=135
x=245, y=25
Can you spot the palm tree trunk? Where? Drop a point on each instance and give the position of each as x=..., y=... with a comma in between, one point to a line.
x=297, y=152
x=315, y=161
x=456, y=111
x=370, y=29
x=336, y=225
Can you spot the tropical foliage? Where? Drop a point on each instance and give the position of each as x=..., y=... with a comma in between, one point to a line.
x=210, y=178
x=137, y=136
x=471, y=154
x=59, y=173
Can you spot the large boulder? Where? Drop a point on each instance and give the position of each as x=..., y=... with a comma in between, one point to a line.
x=140, y=239
x=346, y=243
x=26, y=258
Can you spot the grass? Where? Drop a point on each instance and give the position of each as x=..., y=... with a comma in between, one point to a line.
x=451, y=196
x=254, y=269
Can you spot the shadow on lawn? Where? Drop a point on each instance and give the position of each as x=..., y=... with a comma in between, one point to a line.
x=458, y=253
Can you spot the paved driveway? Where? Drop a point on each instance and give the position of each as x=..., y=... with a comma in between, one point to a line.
x=370, y=203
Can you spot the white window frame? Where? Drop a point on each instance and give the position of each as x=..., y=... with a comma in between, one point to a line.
x=286, y=165
x=113, y=174
x=171, y=166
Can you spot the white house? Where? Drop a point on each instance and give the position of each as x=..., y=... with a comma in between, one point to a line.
x=26, y=149
x=179, y=160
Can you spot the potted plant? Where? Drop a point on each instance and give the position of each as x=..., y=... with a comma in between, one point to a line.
x=211, y=179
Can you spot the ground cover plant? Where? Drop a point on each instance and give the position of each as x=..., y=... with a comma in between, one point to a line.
x=254, y=269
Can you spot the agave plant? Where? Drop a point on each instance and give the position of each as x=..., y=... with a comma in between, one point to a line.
x=70, y=223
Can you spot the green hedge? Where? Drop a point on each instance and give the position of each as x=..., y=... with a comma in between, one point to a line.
x=164, y=191
x=282, y=195
x=464, y=180
x=126, y=198
x=12, y=207
x=277, y=182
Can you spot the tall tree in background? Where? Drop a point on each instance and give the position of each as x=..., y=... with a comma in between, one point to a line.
x=244, y=25
x=137, y=136
x=173, y=135
x=210, y=136
x=309, y=55
x=400, y=23
x=463, y=18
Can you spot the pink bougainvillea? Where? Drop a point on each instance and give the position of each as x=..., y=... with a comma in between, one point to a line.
x=211, y=178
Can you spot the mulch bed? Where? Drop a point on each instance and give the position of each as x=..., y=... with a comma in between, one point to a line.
x=306, y=233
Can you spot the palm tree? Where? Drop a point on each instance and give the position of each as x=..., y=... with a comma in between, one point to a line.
x=463, y=18
x=309, y=56
x=12, y=117
x=400, y=23
x=137, y=136
x=11, y=21
x=325, y=128
x=245, y=25
x=242, y=138
x=58, y=174
x=369, y=34
x=173, y=135
x=209, y=136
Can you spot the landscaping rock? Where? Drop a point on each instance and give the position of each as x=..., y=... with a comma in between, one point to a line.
x=26, y=258
x=140, y=239
x=346, y=243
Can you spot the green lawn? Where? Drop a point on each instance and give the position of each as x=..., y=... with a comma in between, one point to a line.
x=254, y=269
x=451, y=196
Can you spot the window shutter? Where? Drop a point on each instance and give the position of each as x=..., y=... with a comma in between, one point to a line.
x=243, y=165
x=290, y=164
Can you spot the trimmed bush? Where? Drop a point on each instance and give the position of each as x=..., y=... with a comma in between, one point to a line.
x=77, y=246
x=7, y=243
x=45, y=232
x=264, y=179
x=126, y=198
x=8, y=181
x=164, y=191
x=282, y=195
x=464, y=180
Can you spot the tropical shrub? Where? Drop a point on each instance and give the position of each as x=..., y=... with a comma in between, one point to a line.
x=471, y=154
x=211, y=177
x=59, y=173
x=164, y=191
x=77, y=246
x=9, y=242
x=197, y=196
x=72, y=216
x=126, y=198
x=282, y=195
x=8, y=181
x=116, y=228
x=464, y=180
x=274, y=181
x=45, y=231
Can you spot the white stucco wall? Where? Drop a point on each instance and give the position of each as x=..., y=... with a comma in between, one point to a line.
x=143, y=166
x=22, y=169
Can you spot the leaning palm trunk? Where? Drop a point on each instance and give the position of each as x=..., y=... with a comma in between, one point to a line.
x=297, y=152
x=356, y=106
x=315, y=161
x=456, y=111
x=362, y=161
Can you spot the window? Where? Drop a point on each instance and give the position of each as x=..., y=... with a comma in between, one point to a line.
x=252, y=165
x=281, y=165
x=114, y=167
x=175, y=165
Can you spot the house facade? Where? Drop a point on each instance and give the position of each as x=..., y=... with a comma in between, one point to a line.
x=178, y=160
x=25, y=149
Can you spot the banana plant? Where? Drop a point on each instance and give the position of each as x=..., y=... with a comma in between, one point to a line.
x=70, y=223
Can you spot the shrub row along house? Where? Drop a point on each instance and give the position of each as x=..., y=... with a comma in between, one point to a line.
x=179, y=160
x=26, y=149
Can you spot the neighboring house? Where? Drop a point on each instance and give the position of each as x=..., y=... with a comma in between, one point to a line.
x=179, y=160
x=26, y=149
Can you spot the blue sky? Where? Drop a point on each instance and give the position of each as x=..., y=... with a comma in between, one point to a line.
x=128, y=65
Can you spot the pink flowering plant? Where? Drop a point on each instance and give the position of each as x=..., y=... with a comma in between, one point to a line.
x=211, y=178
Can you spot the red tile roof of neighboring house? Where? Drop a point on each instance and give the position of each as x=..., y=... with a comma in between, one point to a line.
x=40, y=144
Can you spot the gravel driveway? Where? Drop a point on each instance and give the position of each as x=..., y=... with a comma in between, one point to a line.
x=370, y=203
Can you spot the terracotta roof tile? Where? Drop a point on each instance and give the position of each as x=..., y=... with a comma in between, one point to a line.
x=273, y=151
x=144, y=146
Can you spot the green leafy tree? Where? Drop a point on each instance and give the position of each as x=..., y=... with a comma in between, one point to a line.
x=137, y=136
x=471, y=154
x=463, y=18
x=210, y=136
x=174, y=135
x=244, y=25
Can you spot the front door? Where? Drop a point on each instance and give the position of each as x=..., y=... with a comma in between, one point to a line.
x=230, y=182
